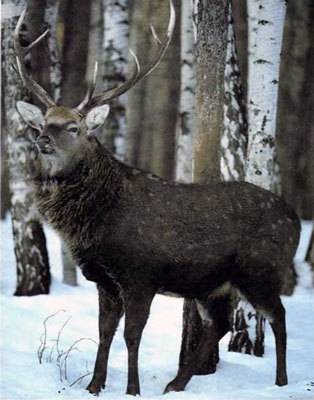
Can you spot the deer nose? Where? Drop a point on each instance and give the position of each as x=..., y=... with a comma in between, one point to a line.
x=42, y=140
x=44, y=144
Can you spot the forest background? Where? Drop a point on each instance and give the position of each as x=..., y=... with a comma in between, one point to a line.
x=233, y=99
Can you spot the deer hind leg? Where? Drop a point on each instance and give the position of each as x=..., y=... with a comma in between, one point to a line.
x=213, y=330
x=265, y=298
x=278, y=324
x=110, y=312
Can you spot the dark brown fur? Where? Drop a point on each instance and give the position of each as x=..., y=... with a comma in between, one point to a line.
x=137, y=235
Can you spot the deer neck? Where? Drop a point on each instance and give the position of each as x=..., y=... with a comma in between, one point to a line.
x=71, y=201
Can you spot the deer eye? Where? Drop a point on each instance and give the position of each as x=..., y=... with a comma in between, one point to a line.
x=73, y=130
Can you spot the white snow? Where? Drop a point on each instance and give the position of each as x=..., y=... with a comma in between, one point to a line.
x=239, y=376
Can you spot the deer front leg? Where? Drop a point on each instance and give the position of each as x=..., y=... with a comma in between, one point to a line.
x=137, y=308
x=110, y=312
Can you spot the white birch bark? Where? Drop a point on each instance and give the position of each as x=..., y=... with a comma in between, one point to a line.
x=234, y=136
x=265, y=21
x=186, y=118
x=51, y=16
x=115, y=55
x=33, y=276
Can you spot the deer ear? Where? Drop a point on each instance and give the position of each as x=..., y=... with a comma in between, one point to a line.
x=31, y=114
x=96, y=117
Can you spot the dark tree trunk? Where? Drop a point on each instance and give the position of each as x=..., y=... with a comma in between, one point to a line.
x=310, y=255
x=33, y=275
x=40, y=59
x=76, y=20
x=153, y=104
x=4, y=180
x=239, y=13
x=139, y=14
x=295, y=108
x=210, y=52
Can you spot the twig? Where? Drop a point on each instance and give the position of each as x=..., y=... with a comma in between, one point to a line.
x=71, y=348
x=59, y=351
x=43, y=338
x=80, y=378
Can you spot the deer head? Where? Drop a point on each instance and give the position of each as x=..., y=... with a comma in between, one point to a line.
x=62, y=131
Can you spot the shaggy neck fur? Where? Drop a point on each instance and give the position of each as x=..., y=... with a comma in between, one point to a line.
x=76, y=203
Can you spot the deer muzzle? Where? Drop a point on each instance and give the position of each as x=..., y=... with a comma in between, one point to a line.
x=44, y=145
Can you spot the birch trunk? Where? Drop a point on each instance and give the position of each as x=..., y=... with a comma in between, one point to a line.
x=186, y=118
x=266, y=20
x=115, y=61
x=210, y=19
x=234, y=136
x=33, y=275
x=51, y=18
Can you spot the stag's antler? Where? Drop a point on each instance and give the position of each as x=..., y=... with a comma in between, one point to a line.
x=20, y=52
x=138, y=73
x=91, y=101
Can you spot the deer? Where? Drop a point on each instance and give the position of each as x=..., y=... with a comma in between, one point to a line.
x=137, y=235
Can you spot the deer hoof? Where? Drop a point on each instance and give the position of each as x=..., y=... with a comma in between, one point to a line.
x=95, y=387
x=174, y=386
x=282, y=381
x=133, y=390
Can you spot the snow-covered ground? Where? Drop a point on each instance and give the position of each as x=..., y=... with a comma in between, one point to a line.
x=239, y=376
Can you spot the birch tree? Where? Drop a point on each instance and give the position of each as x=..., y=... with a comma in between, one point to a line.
x=234, y=135
x=265, y=22
x=186, y=118
x=51, y=19
x=115, y=62
x=33, y=276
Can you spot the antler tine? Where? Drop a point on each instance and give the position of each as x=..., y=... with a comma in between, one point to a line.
x=20, y=52
x=90, y=91
x=112, y=93
x=138, y=73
